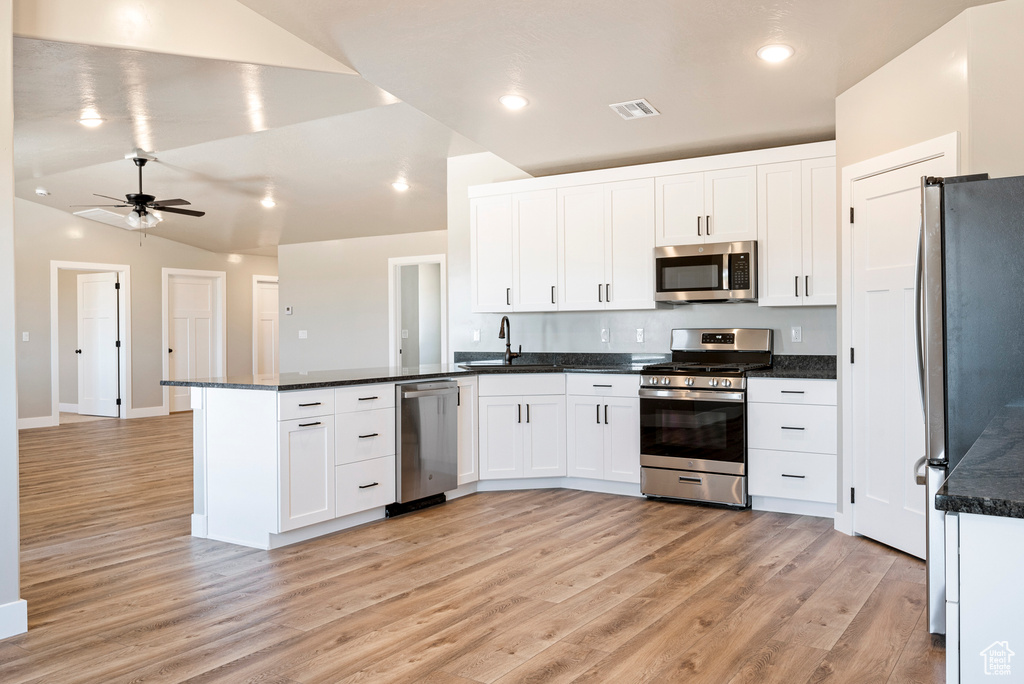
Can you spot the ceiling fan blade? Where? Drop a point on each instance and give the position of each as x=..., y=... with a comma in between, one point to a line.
x=186, y=212
x=168, y=203
x=122, y=206
x=116, y=199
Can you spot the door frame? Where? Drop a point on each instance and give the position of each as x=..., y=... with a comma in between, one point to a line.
x=944, y=146
x=124, y=333
x=395, y=302
x=221, y=316
x=256, y=280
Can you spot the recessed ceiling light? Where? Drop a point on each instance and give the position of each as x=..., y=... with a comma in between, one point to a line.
x=513, y=101
x=91, y=121
x=42, y=192
x=268, y=202
x=401, y=186
x=775, y=53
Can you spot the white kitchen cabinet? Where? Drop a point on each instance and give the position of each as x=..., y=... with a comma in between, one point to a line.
x=603, y=432
x=363, y=485
x=792, y=438
x=606, y=246
x=468, y=430
x=491, y=245
x=706, y=206
x=535, y=251
x=365, y=435
x=522, y=434
x=306, y=493
x=797, y=233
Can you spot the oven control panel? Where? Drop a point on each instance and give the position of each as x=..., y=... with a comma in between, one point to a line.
x=718, y=338
x=692, y=382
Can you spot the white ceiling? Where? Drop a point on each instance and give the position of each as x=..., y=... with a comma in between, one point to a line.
x=327, y=146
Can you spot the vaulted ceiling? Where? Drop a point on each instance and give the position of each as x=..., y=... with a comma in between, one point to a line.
x=327, y=146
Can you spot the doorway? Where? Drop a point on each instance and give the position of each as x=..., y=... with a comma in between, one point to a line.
x=194, y=330
x=883, y=419
x=90, y=345
x=265, y=325
x=417, y=297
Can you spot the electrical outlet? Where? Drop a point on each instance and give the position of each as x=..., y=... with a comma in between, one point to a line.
x=476, y=335
x=605, y=334
x=796, y=334
x=287, y=311
x=24, y=337
x=639, y=334
x=302, y=334
x=405, y=334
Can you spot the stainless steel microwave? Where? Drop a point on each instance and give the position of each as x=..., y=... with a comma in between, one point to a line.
x=716, y=272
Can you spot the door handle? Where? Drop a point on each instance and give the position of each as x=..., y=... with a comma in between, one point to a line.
x=309, y=424
x=372, y=434
x=508, y=296
x=606, y=414
x=798, y=477
x=698, y=226
x=312, y=403
x=598, y=421
x=372, y=484
x=367, y=398
x=707, y=224
x=552, y=294
x=607, y=292
x=170, y=351
x=791, y=391
x=78, y=351
x=921, y=477
x=693, y=480
x=796, y=286
x=519, y=413
x=599, y=293
x=527, y=413
x=807, y=286
x=784, y=427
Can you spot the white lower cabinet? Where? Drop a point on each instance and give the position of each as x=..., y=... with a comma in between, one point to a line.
x=364, y=451
x=305, y=472
x=792, y=444
x=364, y=485
x=468, y=430
x=522, y=435
x=603, y=432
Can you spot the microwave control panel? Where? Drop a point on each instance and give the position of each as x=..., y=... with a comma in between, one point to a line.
x=739, y=271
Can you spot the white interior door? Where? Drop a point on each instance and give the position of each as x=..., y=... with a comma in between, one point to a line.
x=192, y=334
x=888, y=420
x=266, y=333
x=97, y=344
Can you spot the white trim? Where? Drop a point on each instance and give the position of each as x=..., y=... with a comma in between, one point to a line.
x=124, y=332
x=199, y=526
x=394, y=302
x=793, y=506
x=578, y=483
x=147, y=412
x=256, y=280
x=38, y=422
x=220, y=279
x=13, y=618
x=944, y=146
x=68, y=408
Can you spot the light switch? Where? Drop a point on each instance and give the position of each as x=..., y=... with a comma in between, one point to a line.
x=639, y=334
x=302, y=334
x=405, y=334
x=287, y=311
x=605, y=334
x=476, y=335
x=24, y=337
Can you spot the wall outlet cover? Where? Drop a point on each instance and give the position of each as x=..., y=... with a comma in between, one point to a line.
x=605, y=334
x=796, y=334
x=476, y=335
x=24, y=337
x=287, y=311
x=639, y=334
x=302, y=334
x=405, y=334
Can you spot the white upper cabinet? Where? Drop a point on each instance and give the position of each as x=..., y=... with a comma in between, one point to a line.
x=606, y=246
x=535, y=251
x=797, y=233
x=490, y=238
x=707, y=206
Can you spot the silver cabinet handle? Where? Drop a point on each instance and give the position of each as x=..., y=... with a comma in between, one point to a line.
x=784, y=427
x=607, y=292
x=598, y=421
x=707, y=225
x=693, y=480
x=606, y=414
x=372, y=434
x=309, y=424
x=312, y=403
x=798, y=477
x=552, y=294
x=368, y=398
x=807, y=286
x=698, y=226
x=796, y=286
x=372, y=484
x=508, y=296
x=599, y=293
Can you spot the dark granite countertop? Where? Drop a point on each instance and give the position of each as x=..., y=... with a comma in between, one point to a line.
x=807, y=367
x=989, y=480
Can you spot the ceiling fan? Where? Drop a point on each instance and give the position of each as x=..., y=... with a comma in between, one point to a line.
x=142, y=204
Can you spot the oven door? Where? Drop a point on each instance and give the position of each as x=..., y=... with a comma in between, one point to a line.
x=697, y=430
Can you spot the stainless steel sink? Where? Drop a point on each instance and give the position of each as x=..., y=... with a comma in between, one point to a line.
x=499, y=365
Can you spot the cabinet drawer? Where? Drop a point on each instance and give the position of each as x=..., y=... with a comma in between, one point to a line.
x=589, y=384
x=527, y=383
x=364, y=397
x=791, y=391
x=292, y=405
x=363, y=435
x=788, y=427
x=364, y=485
x=790, y=475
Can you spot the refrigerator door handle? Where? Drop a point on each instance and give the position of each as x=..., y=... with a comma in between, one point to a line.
x=919, y=306
x=919, y=473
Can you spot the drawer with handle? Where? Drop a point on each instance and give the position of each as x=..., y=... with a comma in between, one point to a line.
x=363, y=435
x=364, y=485
x=792, y=475
x=305, y=403
x=610, y=385
x=791, y=391
x=364, y=397
x=784, y=427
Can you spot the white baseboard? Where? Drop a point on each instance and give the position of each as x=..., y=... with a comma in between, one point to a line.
x=68, y=408
x=147, y=412
x=38, y=422
x=199, y=528
x=13, y=618
x=794, y=506
x=580, y=483
x=463, y=490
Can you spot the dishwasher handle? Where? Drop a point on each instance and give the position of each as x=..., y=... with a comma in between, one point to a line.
x=411, y=394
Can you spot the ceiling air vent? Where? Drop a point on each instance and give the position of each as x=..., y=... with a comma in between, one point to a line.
x=634, y=109
x=111, y=218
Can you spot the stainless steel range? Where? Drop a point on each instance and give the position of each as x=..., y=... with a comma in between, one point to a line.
x=693, y=423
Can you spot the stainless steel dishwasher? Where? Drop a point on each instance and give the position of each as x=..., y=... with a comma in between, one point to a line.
x=426, y=461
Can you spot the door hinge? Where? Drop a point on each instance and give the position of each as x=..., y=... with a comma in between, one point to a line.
x=118, y=401
x=117, y=286
x=117, y=344
x=851, y=354
x=851, y=214
x=853, y=495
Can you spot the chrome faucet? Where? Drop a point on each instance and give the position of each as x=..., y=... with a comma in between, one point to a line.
x=505, y=333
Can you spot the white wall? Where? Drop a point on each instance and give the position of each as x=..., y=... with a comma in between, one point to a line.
x=339, y=291
x=410, y=316
x=13, y=614
x=43, y=234
x=67, y=323
x=581, y=331
x=429, y=304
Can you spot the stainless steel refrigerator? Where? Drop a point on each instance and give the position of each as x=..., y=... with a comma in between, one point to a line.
x=970, y=331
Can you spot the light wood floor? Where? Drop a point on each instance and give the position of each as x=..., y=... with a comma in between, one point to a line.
x=535, y=586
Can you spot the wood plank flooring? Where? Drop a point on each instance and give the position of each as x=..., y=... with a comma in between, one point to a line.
x=535, y=586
